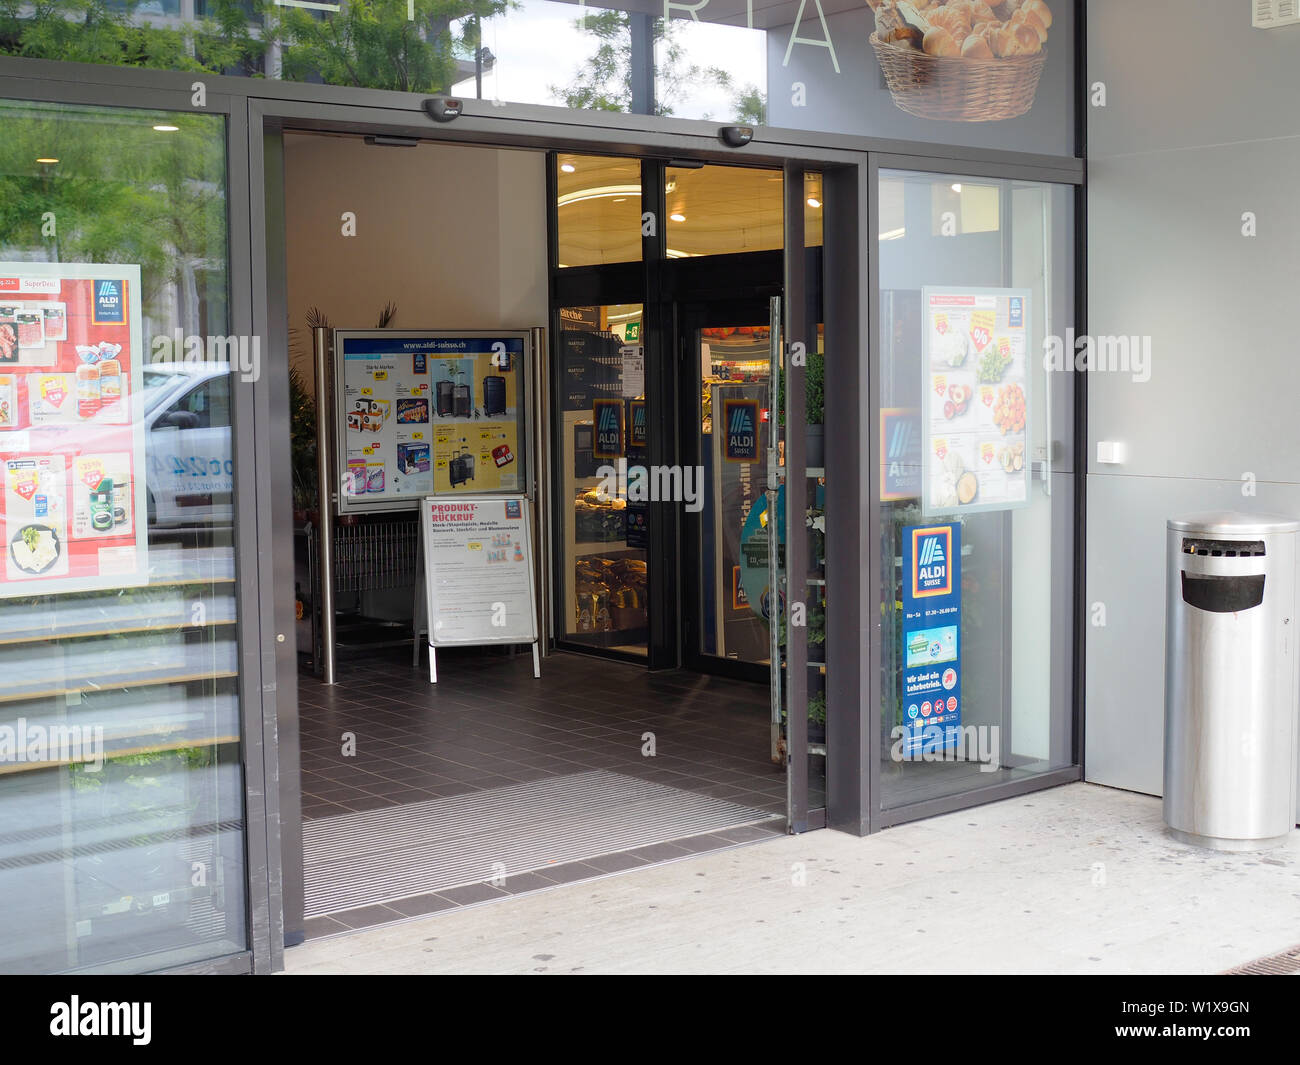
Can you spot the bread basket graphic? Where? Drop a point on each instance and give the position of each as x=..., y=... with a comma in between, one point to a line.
x=947, y=61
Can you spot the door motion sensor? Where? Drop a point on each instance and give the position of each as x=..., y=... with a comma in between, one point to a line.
x=443, y=108
x=736, y=136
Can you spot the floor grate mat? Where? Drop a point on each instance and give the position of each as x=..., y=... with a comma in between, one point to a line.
x=1275, y=965
x=357, y=859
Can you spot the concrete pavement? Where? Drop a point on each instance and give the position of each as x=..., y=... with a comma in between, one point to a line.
x=1077, y=879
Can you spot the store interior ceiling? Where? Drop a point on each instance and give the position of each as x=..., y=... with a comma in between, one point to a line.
x=712, y=210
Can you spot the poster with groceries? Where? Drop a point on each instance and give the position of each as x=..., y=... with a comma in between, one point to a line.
x=975, y=362
x=427, y=413
x=71, y=428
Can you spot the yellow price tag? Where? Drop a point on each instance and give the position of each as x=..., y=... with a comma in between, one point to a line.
x=441, y=464
x=367, y=391
x=485, y=436
x=381, y=375
x=475, y=546
x=417, y=436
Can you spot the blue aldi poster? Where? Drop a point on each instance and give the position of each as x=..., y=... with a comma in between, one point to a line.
x=931, y=638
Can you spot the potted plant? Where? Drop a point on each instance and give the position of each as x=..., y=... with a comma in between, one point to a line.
x=814, y=409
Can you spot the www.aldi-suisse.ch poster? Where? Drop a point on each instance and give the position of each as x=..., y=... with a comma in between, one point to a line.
x=428, y=413
x=71, y=428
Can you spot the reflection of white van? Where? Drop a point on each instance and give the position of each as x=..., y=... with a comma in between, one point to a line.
x=190, y=479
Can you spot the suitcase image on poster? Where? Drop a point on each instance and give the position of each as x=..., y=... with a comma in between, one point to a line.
x=461, y=468
x=461, y=407
x=494, y=396
x=445, y=399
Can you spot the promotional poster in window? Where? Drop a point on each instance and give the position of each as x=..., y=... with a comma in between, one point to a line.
x=71, y=428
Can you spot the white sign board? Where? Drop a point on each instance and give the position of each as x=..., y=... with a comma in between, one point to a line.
x=478, y=572
x=975, y=394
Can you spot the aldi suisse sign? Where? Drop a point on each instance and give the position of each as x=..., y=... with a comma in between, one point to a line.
x=608, y=437
x=931, y=634
x=741, y=419
x=109, y=302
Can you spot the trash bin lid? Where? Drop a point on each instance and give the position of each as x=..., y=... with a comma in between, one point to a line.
x=1229, y=523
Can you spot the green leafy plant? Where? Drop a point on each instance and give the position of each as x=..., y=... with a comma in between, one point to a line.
x=814, y=390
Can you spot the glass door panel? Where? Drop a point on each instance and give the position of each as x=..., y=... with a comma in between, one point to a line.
x=121, y=784
x=734, y=601
x=604, y=514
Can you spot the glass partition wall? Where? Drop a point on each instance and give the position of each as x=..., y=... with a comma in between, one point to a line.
x=976, y=482
x=121, y=785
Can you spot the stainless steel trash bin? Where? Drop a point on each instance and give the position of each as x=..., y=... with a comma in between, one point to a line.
x=1232, y=683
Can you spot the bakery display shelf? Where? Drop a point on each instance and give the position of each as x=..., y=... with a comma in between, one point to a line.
x=163, y=625
x=612, y=547
x=182, y=565
x=84, y=685
x=100, y=669
x=110, y=616
x=126, y=752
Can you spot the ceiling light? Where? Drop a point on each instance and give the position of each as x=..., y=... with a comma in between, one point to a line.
x=620, y=199
x=814, y=202
x=47, y=159
x=677, y=216
x=163, y=127
x=568, y=168
x=956, y=186
x=601, y=192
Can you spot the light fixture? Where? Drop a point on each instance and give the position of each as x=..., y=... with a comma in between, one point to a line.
x=677, y=216
x=620, y=199
x=163, y=127
x=956, y=186
x=47, y=159
x=601, y=192
x=568, y=168
x=814, y=202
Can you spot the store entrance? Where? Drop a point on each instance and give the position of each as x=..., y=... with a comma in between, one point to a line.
x=416, y=796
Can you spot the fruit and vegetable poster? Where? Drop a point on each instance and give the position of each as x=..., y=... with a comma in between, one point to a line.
x=931, y=638
x=71, y=428
x=427, y=413
x=975, y=359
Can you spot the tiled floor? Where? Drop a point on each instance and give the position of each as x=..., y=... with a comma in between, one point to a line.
x=383, y=736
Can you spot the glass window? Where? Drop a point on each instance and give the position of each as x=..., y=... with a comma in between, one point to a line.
x=121, y=786
x=598, y=209
x=976, y=483
x=788, y=64
x=714, y=210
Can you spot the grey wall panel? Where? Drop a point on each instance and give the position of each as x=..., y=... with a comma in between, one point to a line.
x=1167, y=260
x=1199, y=126
x=1184, y=72
x=1126, y=575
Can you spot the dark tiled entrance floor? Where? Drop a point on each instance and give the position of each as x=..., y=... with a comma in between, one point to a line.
x=488, y=726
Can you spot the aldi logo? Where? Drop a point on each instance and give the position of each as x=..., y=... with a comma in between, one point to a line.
x=741, y=418
x=608, y=437
x=932, y=561
x=110, y=302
